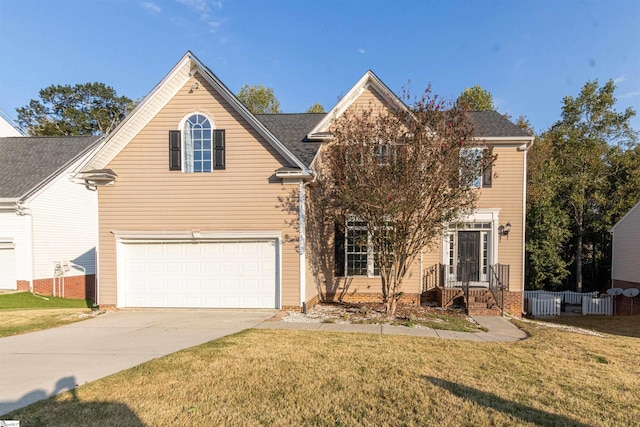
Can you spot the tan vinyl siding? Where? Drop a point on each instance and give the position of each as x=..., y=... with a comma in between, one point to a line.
x=368, y=99
x=507, y=194
x=245, y=196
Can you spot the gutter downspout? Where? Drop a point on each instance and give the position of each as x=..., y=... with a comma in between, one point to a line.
x=302, y=220
x=23, y=210
x=526, y=148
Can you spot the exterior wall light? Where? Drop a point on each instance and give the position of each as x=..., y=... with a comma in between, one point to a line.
x=504, y=230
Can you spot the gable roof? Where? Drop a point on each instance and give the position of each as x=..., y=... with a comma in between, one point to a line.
x=368, y=81
x=624, y=218
x=28, y=163
x=160, y=96
x=292, y=130
x=487, y=124
x=8, y=127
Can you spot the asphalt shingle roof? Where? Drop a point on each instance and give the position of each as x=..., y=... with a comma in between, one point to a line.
x=292, y=130
x=26, y=162
x=493, y=124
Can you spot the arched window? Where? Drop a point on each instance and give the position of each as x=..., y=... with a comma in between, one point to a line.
x=198, y=144
x=197, y=147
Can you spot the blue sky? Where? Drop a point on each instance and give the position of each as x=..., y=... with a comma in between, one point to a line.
x=528, y=54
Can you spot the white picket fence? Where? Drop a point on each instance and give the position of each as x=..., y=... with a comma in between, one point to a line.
x=544, y=305
x=568, y=297
x=602, y=306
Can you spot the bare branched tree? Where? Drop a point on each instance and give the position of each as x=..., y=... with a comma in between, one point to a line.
x=403, y=173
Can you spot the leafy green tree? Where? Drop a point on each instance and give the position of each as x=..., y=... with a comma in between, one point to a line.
x=83, y=109
x=581, y=142
x=476, y=99
x=548, y=229
x=259, y=99
x=316, y=108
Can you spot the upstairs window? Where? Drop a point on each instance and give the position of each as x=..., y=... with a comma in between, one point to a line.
x=483, y=180
x=198, y=147
x=198, y=144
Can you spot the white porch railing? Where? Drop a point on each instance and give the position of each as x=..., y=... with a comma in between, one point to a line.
x=545, y=305
x=602, y=306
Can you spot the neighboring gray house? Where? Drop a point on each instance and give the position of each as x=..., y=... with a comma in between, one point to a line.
x=48, y=223
x=625, y=263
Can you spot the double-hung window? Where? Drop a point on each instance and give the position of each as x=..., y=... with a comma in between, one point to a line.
x=474, y=156
x=360, y=258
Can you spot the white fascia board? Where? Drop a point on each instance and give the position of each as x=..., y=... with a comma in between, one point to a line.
x=246, y=114
x=368, y=80
x=504, y=140
x=191, y=235
x=637, y=206
x=151, y=104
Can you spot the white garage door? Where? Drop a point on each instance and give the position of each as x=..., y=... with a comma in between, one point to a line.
x=7, y=266
x=229, y=274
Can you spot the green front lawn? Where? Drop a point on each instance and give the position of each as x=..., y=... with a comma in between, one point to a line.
x=283, y=378
x=27, y=300
x=24, y=312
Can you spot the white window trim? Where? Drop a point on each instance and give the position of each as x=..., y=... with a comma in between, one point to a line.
x=183, y=144
x=370, y=252
x=480, y=178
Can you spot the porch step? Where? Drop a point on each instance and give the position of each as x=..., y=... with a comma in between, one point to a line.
x=495, y=311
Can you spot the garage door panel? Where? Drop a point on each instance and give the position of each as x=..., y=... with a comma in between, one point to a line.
x=206, y=274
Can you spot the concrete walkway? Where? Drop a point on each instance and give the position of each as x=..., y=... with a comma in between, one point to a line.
x=41, y=364
x=500, y=329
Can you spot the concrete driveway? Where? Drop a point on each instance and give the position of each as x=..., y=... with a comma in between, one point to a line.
x=41, y=364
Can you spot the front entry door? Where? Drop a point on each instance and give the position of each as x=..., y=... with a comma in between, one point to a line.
x=468, y=256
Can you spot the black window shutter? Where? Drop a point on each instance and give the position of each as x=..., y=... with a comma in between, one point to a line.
x=174, y=150
x=338, y=245
x=218, y=145
x=486, y=176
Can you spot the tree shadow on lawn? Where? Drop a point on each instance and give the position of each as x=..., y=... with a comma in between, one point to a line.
x=37, y=408
x=508, y=407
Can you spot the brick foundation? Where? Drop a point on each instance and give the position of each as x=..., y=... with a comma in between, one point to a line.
x=623, y=305
x=356, y=298
x=313, y=302
x=75, y=287
x=446, y=297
